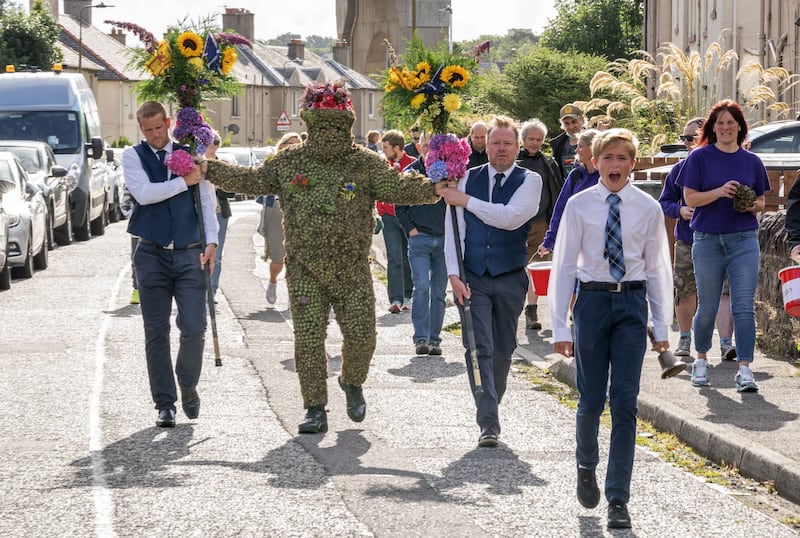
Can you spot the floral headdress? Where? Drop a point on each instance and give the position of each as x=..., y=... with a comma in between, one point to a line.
x=188, y=66
x=427, y=89
x=447, y=157
x=326, y=96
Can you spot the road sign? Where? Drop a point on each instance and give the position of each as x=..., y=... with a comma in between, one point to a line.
x=283, y=120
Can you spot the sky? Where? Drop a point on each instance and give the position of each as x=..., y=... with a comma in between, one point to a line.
x=471, y=18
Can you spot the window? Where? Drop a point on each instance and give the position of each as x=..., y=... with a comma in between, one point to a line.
x=371, y=104
x=235, y=105
x=293, y=104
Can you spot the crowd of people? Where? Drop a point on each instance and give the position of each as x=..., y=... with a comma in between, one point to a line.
x=612, y=274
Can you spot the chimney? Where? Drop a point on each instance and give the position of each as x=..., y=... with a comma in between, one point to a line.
x=75, y=7
x=49, y=6
x=297, y=50
x=240, y=21
x=341, y=52
x=119, y=35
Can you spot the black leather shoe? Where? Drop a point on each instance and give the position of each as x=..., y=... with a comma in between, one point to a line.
x=488, y=437
x=618, y=517
x=166, y=418
x=356, y=406
x=588, y=492
x=190, y=401
x=316, y=420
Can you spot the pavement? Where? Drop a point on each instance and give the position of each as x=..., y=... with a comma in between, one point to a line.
x=758, y=433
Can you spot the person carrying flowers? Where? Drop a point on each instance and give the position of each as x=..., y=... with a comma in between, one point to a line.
x=328, y=186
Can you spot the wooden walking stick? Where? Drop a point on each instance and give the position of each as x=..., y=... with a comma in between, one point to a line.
x=470, y=331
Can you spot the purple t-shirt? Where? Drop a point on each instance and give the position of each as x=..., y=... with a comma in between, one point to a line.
x=706, y=169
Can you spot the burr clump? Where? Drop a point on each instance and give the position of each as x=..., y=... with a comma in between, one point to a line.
x=744, y=198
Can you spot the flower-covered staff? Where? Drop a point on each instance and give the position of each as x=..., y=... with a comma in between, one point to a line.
x=427, y=89
x=328, y=187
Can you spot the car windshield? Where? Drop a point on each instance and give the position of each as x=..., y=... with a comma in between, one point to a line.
x=61, y=130
x=29, y=157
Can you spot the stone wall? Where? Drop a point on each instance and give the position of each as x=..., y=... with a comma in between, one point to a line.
x=776, y=331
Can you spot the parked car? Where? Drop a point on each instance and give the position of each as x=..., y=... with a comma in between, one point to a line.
x=39, y=162
x=116, y=185
x=6, y=185
x=244, y=156
x=261, y=153
x=27, y=212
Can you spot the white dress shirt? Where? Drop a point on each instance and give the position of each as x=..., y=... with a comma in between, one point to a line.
x=146, y=192
x=519, y=210
x=578, y=253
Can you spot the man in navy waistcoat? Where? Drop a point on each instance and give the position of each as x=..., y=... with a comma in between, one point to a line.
x=494, y=206
x=169, y=261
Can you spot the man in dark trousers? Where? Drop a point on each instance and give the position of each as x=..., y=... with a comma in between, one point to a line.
x=494, y=206
x=532, y=135
x=169, y=261
x=565, y=144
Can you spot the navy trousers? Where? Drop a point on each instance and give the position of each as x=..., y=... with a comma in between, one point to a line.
x=163, y=275
x=496, y=304
x=610, y=337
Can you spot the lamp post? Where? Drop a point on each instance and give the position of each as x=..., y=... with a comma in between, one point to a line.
x=80, y=31
x=449, y=9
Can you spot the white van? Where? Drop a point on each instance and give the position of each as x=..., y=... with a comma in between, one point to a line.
x=60, y=109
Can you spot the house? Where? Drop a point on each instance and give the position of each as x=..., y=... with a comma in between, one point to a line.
x=273, y=79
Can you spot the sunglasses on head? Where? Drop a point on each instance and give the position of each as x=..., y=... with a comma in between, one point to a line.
x=686, y=138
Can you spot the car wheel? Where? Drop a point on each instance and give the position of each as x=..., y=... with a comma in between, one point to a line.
x=26, y=271
x=99, y=224
x=5, y=277
x=40, y=259
x=83, y=233
x=63, y=233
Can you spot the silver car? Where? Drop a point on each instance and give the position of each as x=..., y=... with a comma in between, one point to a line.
x=27, y=212
x=5, y=266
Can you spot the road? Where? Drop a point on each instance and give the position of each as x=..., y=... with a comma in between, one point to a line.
x=80, y=456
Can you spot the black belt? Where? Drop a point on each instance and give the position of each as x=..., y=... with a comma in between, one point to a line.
x=171, y=245
x=615, y=287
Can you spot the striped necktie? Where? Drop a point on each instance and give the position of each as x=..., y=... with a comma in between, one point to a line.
x=613, y=251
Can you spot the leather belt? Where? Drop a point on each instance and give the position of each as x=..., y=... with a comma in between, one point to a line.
x=614, y=287
x=171, y=245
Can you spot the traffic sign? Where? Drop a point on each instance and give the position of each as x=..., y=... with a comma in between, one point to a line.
x=283, y=120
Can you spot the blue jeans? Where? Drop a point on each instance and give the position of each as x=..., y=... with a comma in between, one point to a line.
x=737, y=255
x=610, y=336
x=429, y=276
x=398, y=272
x=223, y=231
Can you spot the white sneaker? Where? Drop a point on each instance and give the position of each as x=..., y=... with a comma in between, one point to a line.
x=745, y=382
x=272, y=292
x=700, y=373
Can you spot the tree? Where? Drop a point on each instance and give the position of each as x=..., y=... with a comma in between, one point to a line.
x=608, y=28
x=28, y=39
x=537, y=85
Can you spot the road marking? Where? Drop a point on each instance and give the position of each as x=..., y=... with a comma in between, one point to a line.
x=101, y=494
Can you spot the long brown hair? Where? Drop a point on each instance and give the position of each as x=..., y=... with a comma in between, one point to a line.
x=708, y=136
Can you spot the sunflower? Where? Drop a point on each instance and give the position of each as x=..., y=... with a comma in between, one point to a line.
x=228, y=59
x=451, y=102
x=196, y=63
x=455, y=75
x=190, y=44
x=417, y=100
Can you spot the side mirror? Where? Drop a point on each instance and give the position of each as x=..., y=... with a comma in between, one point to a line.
x=95, y=148
x=58, y=171
x=6, y=185
x=110, y=155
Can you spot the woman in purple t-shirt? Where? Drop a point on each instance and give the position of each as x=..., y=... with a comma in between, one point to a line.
x=725, y=240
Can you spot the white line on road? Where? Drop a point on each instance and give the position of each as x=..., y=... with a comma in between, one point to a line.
x=101, y=494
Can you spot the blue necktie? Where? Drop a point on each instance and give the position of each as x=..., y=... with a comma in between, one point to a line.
x=613, y=251
x=498, y=179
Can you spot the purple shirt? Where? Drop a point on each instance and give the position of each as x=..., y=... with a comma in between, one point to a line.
x=706, y=169
x=579, y=179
